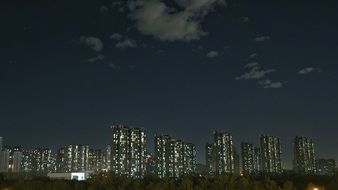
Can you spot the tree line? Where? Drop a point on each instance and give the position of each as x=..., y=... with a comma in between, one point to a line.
x=110, y=181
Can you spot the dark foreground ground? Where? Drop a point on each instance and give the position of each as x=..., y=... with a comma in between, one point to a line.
x=113, y=182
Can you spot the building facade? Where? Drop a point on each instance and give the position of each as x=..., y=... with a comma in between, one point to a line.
x=11, y=158
x=174, y=157
x=304, y=161
x=221, y=155
x=325, y=167
x=42, y=160
x=4, y=165
x=95, y=160
x=210, y=159
x=271, y=151
x=251, y=160
x=73, y=158
x=106, y=158
x=128, y=147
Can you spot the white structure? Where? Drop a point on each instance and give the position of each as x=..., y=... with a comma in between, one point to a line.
x=78, y=176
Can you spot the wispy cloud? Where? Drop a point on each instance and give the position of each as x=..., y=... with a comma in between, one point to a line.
x=94, y=43
x=255, y=72
x=308, y=70
x=116, y=36
x=212, y=54
x=127, y=43
x=253, y=55
x=99, y=57
x=270, y=84
x=251, y=65
x=262, y=38
x=166, y=23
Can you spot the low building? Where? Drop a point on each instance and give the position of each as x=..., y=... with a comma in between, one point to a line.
x=78, y=176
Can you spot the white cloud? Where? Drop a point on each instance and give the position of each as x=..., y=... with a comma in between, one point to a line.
x=155, y=18
x=212, y=54
x=251, y=65
x=99, y=57
x=308, y=70
x=253, y=55
x=94, y=43
x=255, y=73
x=262, y=38
x=127, y=43
x=116, y=36
x=270, y=84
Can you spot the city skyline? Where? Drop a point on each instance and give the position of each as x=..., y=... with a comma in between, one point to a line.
x=186, y=68
x=149, y=147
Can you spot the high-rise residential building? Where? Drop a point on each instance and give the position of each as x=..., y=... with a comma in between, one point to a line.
x=221, y=154
x=251, y=163
x=189, y=158
x=210, y=159
x=257, y=160
x=237, y=164
x=128, y=148
x=42, y=160
x=62, y=161
x=73, y=158
x=26, y=162
x=271, y=152
x=150, y=164
x=173, y=157
x=4, y=165
x=11, y=160
x=247, y=150
x=304, y=156
x=325, y=167
x=95, y=159
x=106, y=158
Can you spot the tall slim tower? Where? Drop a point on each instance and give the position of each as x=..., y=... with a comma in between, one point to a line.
x=106, y=158
x=224, y=153
x=257, y=160
x=210, y=158
x=271, y=154
x=137, y=153
x=189, y=158
x=304, y=161
x=128, y=148
x=4, y=165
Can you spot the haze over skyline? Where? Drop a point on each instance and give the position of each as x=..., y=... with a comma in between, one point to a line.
x=71, y=69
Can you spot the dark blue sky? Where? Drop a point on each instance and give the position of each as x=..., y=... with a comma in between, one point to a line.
x=71, y=68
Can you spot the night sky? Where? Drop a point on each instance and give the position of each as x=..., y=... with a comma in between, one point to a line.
x=70, y=69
